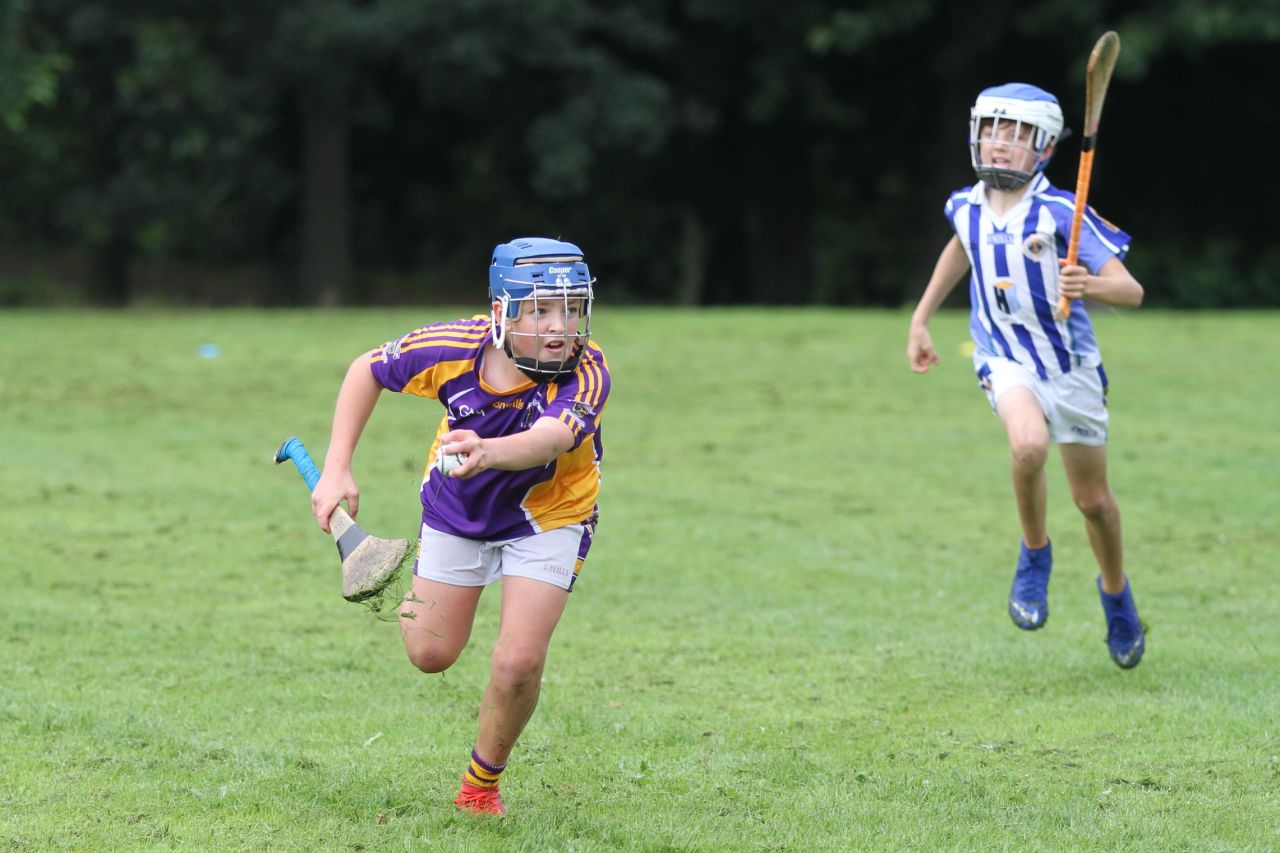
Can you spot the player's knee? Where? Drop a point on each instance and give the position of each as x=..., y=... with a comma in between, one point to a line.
x=1028, y=452
x=430, y=657
x=1097, y=504
x=517, y=668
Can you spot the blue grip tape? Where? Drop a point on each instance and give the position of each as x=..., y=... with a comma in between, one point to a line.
x=292, y=449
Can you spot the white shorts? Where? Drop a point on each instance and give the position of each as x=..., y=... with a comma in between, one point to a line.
x=1074, y=405
x=554, y=556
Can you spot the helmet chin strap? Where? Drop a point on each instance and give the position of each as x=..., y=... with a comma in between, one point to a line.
x=542, y=371
x=1002, y=179
x=539, y=371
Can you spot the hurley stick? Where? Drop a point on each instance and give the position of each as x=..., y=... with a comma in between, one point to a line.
x=368, y=563
x=1102, y=61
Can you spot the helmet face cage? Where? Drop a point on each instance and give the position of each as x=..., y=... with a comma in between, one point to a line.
x=558, y=300
x=1038, y=118
x=535, y=273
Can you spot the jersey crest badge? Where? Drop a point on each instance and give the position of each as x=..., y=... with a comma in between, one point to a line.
x=1037, y=245
x=532, y=412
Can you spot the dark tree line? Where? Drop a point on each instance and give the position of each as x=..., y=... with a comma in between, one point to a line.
x=702, y=151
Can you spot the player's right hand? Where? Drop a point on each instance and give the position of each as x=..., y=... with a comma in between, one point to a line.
x=471, y=446
x=333, y=488
x=920, y=352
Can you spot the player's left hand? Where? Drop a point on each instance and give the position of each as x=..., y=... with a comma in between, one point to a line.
x=1073, y=280
x=465, y=441
x=920, y=352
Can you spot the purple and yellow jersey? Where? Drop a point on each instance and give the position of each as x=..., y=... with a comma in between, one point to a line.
x=443, y=361
x=1013, y=286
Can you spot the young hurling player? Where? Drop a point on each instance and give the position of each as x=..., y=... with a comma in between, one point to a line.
x=523, y=390
x=1042, y=374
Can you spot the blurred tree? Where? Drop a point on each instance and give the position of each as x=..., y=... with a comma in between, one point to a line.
x=485, y=120
x=152, y=138
x=28, y=72
x=741, y=162
x=704, y=151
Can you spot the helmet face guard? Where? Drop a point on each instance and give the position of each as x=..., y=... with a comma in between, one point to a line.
x=1024, y=120
x=532, y=274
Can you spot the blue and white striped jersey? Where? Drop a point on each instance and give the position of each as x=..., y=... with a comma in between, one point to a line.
x=1013, y=286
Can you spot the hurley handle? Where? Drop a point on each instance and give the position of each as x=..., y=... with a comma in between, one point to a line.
x=292, y=449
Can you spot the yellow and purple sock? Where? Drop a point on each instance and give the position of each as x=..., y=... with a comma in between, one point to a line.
x=481, y=773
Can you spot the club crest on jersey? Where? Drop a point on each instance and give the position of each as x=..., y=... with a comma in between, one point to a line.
x=532, y=412
x=1037, y=245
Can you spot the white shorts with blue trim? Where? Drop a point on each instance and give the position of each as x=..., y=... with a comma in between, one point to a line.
x=1074, y=404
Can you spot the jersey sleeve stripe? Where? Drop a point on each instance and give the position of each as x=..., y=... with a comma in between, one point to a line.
x=583, y=373
x=589, y=387
x=1088, y=219
x=465, y=326
x=598, y=390
x=456, y=338
x=591, y=396
x=428, y=382
x=598, y=368
x=440, y=340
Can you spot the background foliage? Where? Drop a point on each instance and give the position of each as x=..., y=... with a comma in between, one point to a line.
x=359, y=151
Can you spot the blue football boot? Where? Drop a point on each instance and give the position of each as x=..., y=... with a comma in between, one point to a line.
x=1126, y=635
x=1029, y=597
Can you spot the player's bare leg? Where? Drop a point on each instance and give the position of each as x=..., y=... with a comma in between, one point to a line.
x=435, y=622
x=1086, y=469
x=1087, y=473
x=530, y=611
x=1028, y=435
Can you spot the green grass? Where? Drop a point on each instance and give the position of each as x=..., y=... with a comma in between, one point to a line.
x=791, y=633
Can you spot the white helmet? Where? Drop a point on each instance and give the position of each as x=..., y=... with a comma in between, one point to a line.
x=1020, y=104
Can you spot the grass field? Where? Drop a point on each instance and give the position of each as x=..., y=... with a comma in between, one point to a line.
x=791, y=633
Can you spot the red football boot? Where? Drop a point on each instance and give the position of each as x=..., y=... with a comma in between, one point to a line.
x=477, y=800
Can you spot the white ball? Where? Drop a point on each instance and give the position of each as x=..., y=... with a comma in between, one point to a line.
x=446, y=462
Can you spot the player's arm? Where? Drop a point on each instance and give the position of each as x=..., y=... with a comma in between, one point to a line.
x=952, y=264
x=1113, y=285
x=532, y=448
x=356, y=399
